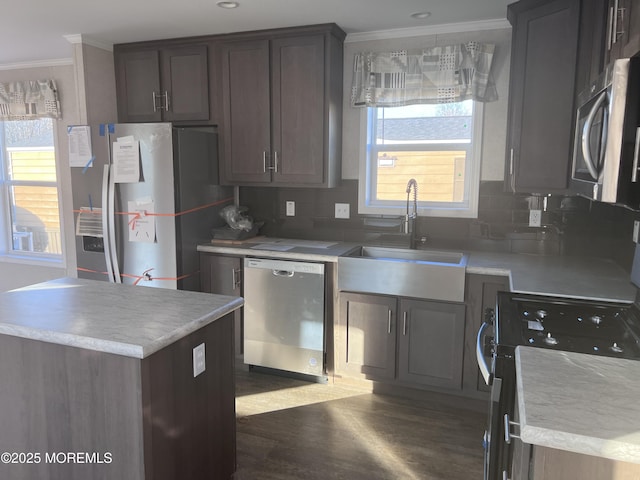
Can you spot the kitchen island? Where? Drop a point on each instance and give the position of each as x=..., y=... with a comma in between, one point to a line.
x=579, y=413
x=98, y=382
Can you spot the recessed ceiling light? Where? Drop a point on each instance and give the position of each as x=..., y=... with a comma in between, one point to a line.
x=227, y=4
x=421, y=15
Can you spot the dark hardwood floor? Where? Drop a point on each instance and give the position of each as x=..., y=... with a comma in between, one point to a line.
x=289, y=429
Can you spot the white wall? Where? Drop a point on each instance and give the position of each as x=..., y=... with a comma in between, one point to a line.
x=495, y=113
x=14, y=274
x=86, y=87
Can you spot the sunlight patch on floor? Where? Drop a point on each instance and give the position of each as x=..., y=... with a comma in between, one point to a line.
x=284, y=398
x=372, y=442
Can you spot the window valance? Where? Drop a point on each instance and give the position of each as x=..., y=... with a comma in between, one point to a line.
x=443, y=74
x=30, y=99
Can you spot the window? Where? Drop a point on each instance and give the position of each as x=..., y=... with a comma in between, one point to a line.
x=30, y=205
x=437, y=145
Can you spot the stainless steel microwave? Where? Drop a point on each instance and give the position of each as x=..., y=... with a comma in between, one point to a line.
x=607, y=137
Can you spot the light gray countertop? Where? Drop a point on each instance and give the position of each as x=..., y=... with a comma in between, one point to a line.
x=563, y=276
x=113, y=318
x=283, y=248
x=581, y=403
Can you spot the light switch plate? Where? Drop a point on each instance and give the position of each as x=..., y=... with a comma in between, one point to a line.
x=199, y=363
x=342, y=210
x=291, y=209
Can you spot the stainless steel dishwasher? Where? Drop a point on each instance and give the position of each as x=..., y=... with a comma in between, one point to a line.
x=284, y=315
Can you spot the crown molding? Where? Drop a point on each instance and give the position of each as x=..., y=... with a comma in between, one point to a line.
x=79, y=38
x=55, y=62
x=495, y=24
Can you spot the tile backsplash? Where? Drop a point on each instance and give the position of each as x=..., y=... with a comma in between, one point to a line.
x=569, y=226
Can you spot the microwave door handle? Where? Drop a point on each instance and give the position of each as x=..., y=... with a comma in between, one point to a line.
x=586, y=134
x=636, y=152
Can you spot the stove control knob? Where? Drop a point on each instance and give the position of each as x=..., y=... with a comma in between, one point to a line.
x=541, y=314
x=596, y=319
x=616, y=348
x=549, y=340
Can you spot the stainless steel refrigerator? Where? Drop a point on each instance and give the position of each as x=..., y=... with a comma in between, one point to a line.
x=144, y=229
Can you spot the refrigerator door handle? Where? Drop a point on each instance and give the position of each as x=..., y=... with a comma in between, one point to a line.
x=112, y=229
x=105, y=222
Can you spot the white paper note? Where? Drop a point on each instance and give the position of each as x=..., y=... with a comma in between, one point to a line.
x=142, y=228
x=126, y=162
x=80, y=154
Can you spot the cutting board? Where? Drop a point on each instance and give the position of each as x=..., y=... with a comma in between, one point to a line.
x=257, y=239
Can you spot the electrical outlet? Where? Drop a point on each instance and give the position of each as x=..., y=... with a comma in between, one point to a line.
x=199, y=364
x=342, y=210
x=535, y=218
x=636, y=228
x=291, y=209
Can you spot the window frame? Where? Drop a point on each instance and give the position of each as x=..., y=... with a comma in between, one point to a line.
x=7, y=253
x=368, y=165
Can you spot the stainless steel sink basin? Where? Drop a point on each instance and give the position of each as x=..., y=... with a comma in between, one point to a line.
x=390, y=253
x=429, y=274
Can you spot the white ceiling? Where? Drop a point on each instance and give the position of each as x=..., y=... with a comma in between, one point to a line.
x=34, y=31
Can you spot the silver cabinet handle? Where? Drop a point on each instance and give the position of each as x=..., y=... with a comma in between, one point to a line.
x=166, y=101
x=512, y=176
x=389, y=323
x=235, y=278
x=275, y=161
x=154, y=95
x=507, y=427
x=636, y=152
x=404, y=323
x=511, y=163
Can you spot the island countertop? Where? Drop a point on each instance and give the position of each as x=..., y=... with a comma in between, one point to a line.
x=581, y=403
x=112, y=318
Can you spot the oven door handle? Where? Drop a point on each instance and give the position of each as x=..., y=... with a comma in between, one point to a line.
x=482, y=362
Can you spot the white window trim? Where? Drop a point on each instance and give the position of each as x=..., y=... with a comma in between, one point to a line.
x=469, y=211
x=7, y=254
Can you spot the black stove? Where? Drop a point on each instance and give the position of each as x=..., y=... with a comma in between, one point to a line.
x=574, y=325
x=584, y=326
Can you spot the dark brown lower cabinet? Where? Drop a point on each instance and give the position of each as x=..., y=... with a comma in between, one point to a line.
x=533, y=462
x=431, y=343
x=76, y=414
x=414, y=342
x=222, y=275
x=366, y=333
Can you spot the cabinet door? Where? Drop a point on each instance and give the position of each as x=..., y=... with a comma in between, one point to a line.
x=185, y=82
x=543, y=72
x=223, y=276
x=623, y=29
x=367, y=329
x=431, y=343
x=298, y=99
x=246, y=112
x=137, y=78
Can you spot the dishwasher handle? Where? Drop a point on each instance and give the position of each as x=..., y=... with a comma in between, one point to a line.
x=283, y=273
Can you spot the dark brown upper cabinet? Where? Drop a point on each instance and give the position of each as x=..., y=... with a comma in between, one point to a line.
x=160, y=82
x=623, y=29
x=542, y=87
x=281, y=118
